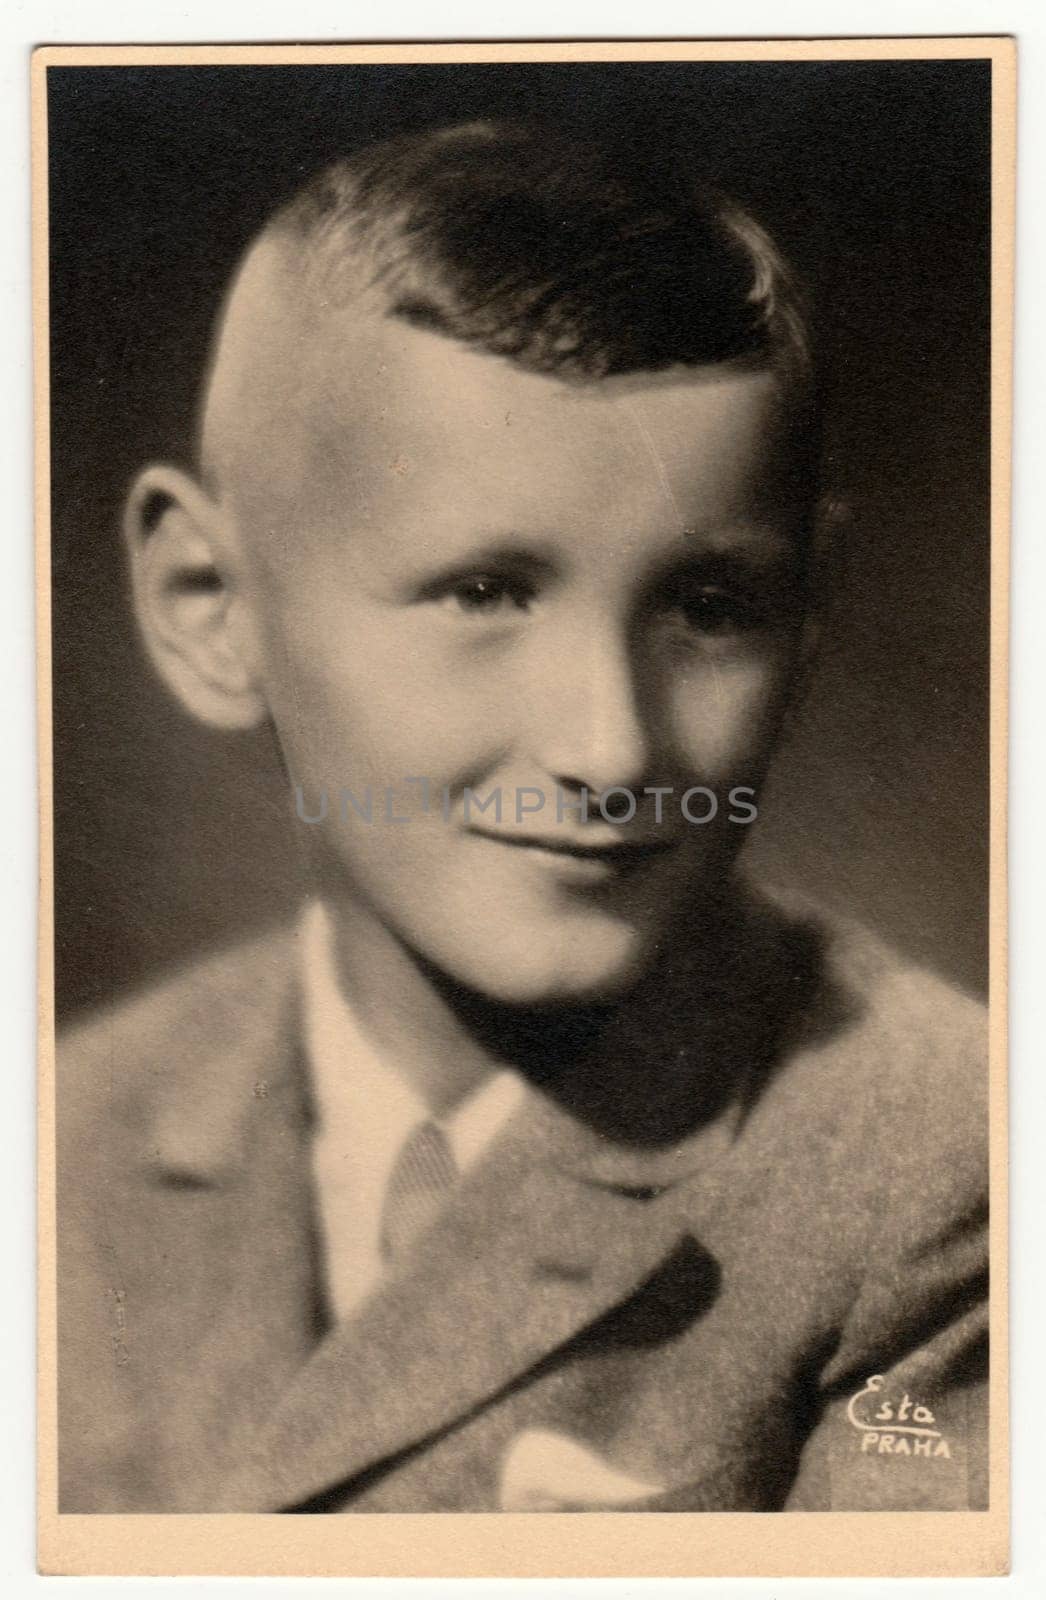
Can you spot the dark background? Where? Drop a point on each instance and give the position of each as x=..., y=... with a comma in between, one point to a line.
x=875, y=178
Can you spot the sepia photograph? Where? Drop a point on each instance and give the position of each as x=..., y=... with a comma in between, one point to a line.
x=521, y=554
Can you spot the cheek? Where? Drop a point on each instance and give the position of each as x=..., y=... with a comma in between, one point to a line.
x=377, y=706
x=725, y=714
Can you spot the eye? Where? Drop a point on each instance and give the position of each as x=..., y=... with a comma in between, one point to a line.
x=487, y=594
x=713, y=609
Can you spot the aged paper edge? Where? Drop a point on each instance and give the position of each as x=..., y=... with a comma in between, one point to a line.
x=694, y=1544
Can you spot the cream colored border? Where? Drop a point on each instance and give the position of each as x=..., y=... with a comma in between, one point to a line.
x=620, y=1545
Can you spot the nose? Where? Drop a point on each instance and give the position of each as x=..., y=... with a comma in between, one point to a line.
x=593, y=723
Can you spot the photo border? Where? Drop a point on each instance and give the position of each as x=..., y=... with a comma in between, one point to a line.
x=590, y=1544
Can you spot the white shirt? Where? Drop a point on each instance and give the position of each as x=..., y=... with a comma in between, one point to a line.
x=366, y=1110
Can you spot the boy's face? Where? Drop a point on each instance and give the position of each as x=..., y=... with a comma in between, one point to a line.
x=491, y=580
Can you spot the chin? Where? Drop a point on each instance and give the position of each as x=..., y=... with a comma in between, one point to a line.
x=590, y=970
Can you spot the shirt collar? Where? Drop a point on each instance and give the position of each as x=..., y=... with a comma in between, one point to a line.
x=355, y=1087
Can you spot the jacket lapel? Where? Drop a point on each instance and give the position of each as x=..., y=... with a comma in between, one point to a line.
x=534, y=1246
x=218, y=1226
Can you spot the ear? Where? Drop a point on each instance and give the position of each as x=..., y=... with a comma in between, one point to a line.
x=196, y=626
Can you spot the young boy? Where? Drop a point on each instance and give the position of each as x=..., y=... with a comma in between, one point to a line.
x=545, y=1165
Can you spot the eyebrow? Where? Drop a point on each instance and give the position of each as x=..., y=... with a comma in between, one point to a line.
x=760, y=544
x=536, y=552
x=731, y=548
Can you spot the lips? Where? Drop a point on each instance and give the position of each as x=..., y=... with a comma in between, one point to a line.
x=612, y=853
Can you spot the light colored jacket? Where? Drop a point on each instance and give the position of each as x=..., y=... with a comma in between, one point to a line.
x=739, y=1303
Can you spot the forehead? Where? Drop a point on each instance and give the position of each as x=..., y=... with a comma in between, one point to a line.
x=340, y=413
x=439, y=407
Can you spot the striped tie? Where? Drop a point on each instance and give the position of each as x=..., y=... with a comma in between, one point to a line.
x=419, y=1183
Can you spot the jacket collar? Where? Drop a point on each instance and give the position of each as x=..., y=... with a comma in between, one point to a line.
x=204, y=1104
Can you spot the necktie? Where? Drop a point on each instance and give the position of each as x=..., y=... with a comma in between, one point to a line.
x=420, y=1181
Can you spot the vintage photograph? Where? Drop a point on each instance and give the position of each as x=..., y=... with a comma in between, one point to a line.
x=518, y=570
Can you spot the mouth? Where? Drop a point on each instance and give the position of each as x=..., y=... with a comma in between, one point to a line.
x=617, y=855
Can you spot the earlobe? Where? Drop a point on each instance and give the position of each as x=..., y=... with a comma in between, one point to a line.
x=195, y=625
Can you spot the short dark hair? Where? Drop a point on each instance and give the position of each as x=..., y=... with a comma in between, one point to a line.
x=546, y=251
